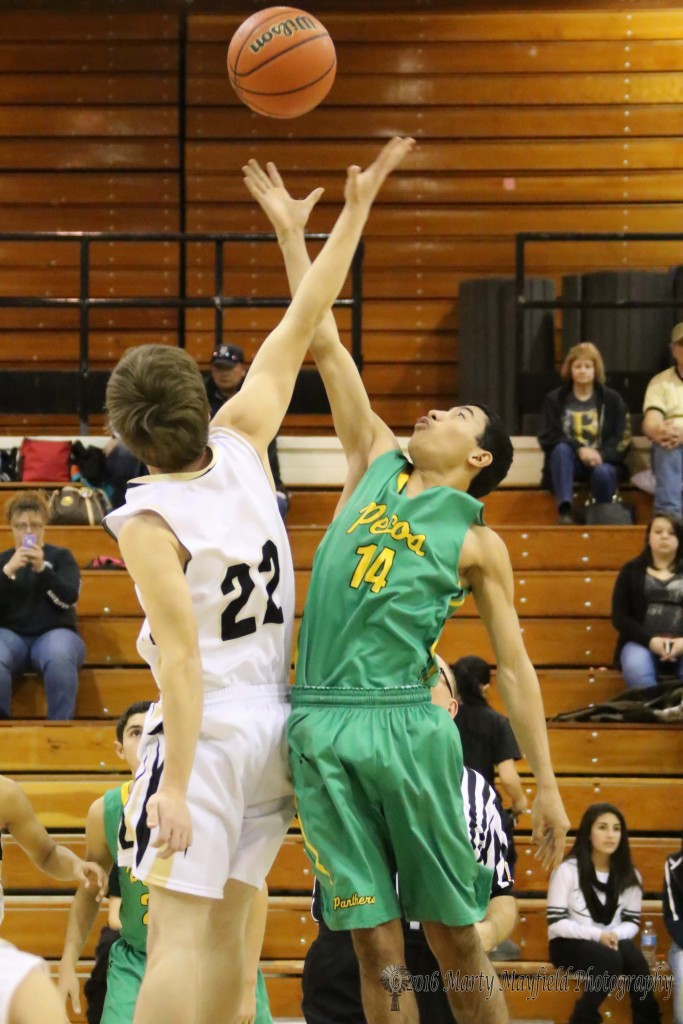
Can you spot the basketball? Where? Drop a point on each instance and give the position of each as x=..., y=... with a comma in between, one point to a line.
x=281, y=62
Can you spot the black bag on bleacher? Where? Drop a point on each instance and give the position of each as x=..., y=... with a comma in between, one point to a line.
x=630, y=706
x=607, y=513
x=8, y=464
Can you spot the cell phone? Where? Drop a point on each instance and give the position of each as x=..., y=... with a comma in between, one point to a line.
x=667, y=646
x=29, y=540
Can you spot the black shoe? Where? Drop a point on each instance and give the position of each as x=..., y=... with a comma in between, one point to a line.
x=565, y=519
x=506, y=950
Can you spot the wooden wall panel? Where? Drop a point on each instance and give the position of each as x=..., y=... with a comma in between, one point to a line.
x=89, y=129
x=534, y=119
x=546, y=117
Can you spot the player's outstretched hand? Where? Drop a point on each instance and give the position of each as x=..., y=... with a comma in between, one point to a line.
x=168, y=812
x=550, y=826
x=268, y=189
x=91, y=876
x=362, y=186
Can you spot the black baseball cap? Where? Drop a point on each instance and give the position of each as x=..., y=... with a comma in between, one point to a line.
x=227, y=354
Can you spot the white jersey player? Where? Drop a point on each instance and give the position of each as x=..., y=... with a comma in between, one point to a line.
x=204, y=544
x=240, y=579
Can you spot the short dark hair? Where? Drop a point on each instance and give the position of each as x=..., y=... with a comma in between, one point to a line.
x=140, y=707
x=27, y=501
x=495, y=439
x=157, y=404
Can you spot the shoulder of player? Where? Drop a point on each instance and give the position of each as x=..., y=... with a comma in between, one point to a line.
x=144, y=531
x=482, y=548
x=94, y=821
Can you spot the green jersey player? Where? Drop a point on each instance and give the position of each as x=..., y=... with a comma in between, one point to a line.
x=368, y=751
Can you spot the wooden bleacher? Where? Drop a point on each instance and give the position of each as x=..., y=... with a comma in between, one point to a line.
x=65, y=766
x=564, y=577
x=100, y=149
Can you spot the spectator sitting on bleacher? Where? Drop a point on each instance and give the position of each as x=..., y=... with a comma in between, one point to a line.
x=594, y=902
x=585, y=431
x=663, y=424
x=647, y=606
x=672, y=905
x=39, y=585
x=227, y=372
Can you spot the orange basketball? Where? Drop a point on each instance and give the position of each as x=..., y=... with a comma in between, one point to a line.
x=281, y=62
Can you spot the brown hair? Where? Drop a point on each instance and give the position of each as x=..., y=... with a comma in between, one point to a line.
x=28, y=501
x=584, y=350
x=157, y=404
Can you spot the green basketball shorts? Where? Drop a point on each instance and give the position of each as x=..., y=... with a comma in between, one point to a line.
x=124, y=977
x=378, y=793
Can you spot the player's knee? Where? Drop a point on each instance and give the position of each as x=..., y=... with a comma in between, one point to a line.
x=379, y=946
x=449, y=940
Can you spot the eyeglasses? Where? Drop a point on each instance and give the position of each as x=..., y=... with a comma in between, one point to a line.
x=442, y=673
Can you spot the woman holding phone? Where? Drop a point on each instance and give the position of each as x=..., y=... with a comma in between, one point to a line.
x=647, y=606
x=39, y=585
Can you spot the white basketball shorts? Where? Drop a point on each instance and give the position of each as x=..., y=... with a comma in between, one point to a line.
x=14, y=967
x=240, y=795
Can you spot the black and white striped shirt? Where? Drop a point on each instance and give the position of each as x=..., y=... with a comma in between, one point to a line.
x=484, y=831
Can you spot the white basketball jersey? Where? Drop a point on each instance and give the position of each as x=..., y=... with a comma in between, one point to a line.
x=240, y=571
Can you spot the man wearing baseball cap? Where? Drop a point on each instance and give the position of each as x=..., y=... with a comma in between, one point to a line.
x=227, y=372
x=663, y=424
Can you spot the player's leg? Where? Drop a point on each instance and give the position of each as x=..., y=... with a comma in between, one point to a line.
x=441, y=883
x=459, y=950
x=384, y=981
x=35, y=1001
x=171, y=989
x=124, y=978
x=222, y=957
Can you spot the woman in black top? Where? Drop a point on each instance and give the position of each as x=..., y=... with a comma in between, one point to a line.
x=488, y=742
x=647, y=606
x=585, y=431
x=39, y=585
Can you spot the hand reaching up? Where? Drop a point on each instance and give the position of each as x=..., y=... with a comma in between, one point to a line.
x=288, y=214
x=268, y=189
x=362, y=186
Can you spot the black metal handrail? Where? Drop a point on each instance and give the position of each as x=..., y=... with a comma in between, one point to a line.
x=84, y=302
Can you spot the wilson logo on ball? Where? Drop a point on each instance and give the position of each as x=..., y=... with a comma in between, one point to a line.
x=285, y=28
x=281, y=62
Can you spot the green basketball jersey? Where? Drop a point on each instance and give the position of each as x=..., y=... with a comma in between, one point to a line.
x=384, y=581
x=134, y=894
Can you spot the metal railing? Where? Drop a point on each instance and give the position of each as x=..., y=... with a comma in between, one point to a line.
x=84, y=302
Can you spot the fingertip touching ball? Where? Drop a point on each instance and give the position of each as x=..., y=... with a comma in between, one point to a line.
x=281, y=62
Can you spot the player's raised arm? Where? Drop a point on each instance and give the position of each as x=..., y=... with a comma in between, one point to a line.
x=362, y=433
x=485, y=565
x=257, y=411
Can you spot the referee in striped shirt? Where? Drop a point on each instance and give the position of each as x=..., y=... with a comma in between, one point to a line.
x=331, y=980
